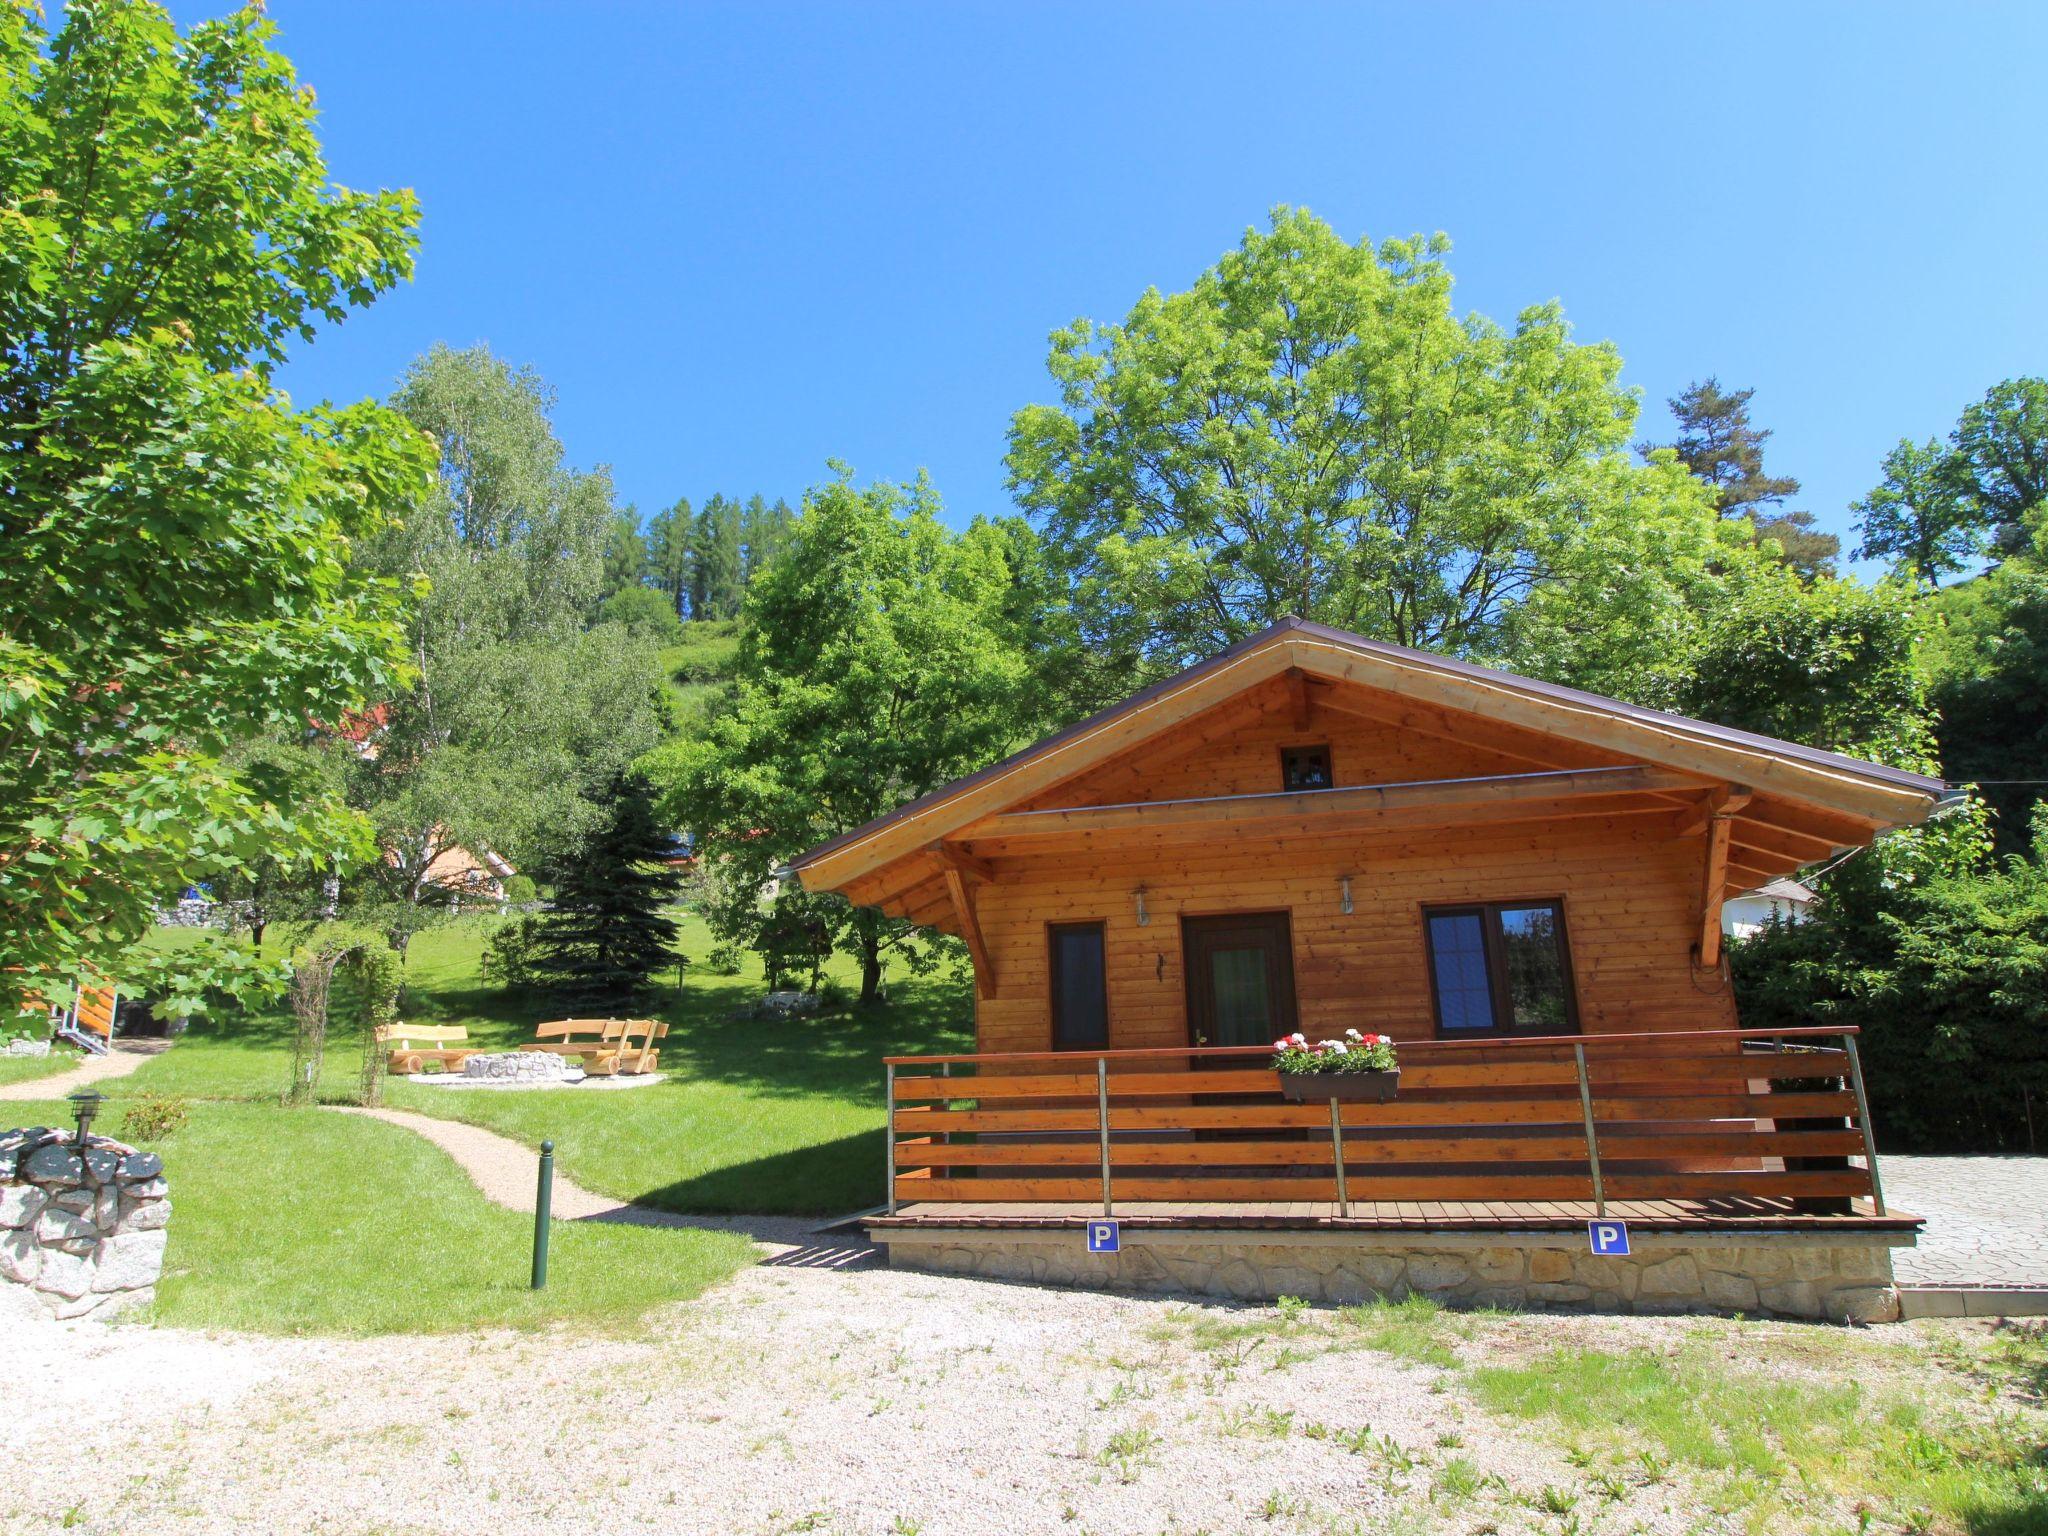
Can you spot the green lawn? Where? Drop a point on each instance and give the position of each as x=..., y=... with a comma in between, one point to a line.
x=23, y=1069
x=304, y=1221
x=753, y=1116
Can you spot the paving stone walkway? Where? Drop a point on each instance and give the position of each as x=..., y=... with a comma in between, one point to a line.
x=1987, y=1219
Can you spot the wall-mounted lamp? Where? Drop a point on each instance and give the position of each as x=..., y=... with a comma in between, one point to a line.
x=1344, y=900
x=1144, y=917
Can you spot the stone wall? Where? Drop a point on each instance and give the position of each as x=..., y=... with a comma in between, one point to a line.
x=1776, y=1274
x=79, y=1236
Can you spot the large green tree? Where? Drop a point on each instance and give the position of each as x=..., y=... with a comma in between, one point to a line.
x=175, y=537
x=881, y=657
x=1921, y=518
x=1719, y=443
x=608, y=929
x=519, y=712
x=717, y=560
x=1311, y=428
x=668, y=552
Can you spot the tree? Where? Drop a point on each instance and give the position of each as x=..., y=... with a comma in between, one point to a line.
x=174, y=536
x=1936, y=950
x=608, y=930
x=1719, y=444
x=1310, y=429
x=668, y=552
x=716, y=562
x=1922, y=517
x=517, y=715
x=879, y=660
x=763, y=528
x=643, y=612
x=2002, y=443
x=625, y=553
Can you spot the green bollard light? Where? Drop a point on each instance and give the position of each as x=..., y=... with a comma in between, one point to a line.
x=542, y=1199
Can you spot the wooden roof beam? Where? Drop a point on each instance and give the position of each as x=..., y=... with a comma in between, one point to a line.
x=1345, y=802
x=1726, y=800
x=970, y=930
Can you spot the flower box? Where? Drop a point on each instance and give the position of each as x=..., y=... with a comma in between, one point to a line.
x=1315, y=1087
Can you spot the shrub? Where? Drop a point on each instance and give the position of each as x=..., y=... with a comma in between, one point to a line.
x=509, y=953
x=647, y=613
x=520, y=890
x=152, y=1117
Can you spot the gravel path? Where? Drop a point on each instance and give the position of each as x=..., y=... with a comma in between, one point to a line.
x=124, y=1058
x=508, y=1173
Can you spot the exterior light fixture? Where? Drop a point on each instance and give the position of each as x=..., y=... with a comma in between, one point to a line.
x=1144, y=917
x=84, y=1105
x=1344, y=899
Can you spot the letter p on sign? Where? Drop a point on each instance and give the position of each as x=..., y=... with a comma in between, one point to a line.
x=1104, y=1237
x=1608, y=1237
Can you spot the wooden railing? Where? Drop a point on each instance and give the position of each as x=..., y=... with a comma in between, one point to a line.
x=1776, y=1113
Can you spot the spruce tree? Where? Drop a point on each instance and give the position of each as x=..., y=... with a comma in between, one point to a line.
x=1718, y=443
x=715, y=561
x=608, y=931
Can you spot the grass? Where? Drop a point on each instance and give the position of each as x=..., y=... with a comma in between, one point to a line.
x=1778, y=1448
x=26, y=1069
x=304, y=1221
x=753, y=1117
x=697, y=667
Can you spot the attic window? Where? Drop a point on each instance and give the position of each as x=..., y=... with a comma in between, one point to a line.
x=1305, y=768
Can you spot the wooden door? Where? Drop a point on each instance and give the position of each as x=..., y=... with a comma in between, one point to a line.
x=1240, y=974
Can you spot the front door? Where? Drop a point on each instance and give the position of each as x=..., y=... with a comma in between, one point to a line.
x=1240, y=971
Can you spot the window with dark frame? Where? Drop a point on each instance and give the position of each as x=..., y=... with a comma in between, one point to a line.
x=1080, y=987
x=1500, y=968
x=1305, y=768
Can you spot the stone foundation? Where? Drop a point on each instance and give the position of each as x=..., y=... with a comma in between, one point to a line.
x=1818, y=1276
x=79, y=1235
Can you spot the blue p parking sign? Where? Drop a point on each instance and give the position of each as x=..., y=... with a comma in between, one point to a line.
x=1105, y=1237
x=1608, y=1236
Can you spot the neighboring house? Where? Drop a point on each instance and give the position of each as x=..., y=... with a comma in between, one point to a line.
x=1749, y=914
x=1316, y=831
x=477, y=874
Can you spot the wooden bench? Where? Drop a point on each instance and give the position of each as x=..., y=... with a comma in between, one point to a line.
x=414, y=1045
x=607, y=1046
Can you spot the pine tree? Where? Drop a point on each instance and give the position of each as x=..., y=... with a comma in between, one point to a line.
x=668, y=551
x=763, y=530
x=625, y=552
x=608, y=931
x=715, y=561
x=1718, y=443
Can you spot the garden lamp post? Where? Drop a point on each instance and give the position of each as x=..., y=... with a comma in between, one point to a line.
x=84, y=1105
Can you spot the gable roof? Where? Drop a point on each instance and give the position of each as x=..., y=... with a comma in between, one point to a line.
x=1867, y=792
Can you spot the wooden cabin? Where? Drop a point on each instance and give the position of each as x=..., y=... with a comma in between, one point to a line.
x=1519, y=882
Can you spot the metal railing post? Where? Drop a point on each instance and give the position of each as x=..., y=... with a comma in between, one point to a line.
x=889, y=1130
x=1592, y=1136
x=1102, y=1122
x=1863, y=1119
x=1337, y=1153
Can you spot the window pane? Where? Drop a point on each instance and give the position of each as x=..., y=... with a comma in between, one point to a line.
x=1535, y=969
x=1305, y=768
x=1237, y=977
x=1457, y=945
x=1080, y=1002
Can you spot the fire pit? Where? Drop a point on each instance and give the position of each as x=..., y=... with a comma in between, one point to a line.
x=521, y=1067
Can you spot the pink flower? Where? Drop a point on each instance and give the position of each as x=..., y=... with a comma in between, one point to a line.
x=1282, y=1043
x=1298, y=1038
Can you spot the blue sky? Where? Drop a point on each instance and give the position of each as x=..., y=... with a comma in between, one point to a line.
x=741, y=240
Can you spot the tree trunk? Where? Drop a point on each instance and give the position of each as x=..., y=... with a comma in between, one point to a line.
x=870, y=968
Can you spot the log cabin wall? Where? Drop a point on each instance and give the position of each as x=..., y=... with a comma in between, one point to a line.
x=1631, y=889
x=1630, y=902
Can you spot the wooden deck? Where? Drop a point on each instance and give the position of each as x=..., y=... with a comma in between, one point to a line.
x=1695, y=1128
x=1728, y=1214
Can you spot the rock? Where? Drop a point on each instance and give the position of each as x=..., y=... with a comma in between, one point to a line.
x=76, y=1201
x=61, y=1226
x=1734, y=1293
x=138, y=1166
x=116, y=1303
x=1382, y=1272
x=27, y=1047
x=148, y=1189
x=54, y=1164
x=106, y=1208
x=1436, y=1271
x=130, y=1261
x=1549, y=1265
x=21, y=1204
x=1679, y=1277
x=1794, y=1298
x=144, y=1216
x=1505, y=1298
x=64, y=1274
x=1862, y=1304
x=1548, y=1293
x=101, y=1164
x=80, y=1306
x=21, y=1256
x=1498, y=1266
x=1864, y=1263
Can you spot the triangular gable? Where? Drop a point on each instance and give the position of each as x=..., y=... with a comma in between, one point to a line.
x=1860, y=797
